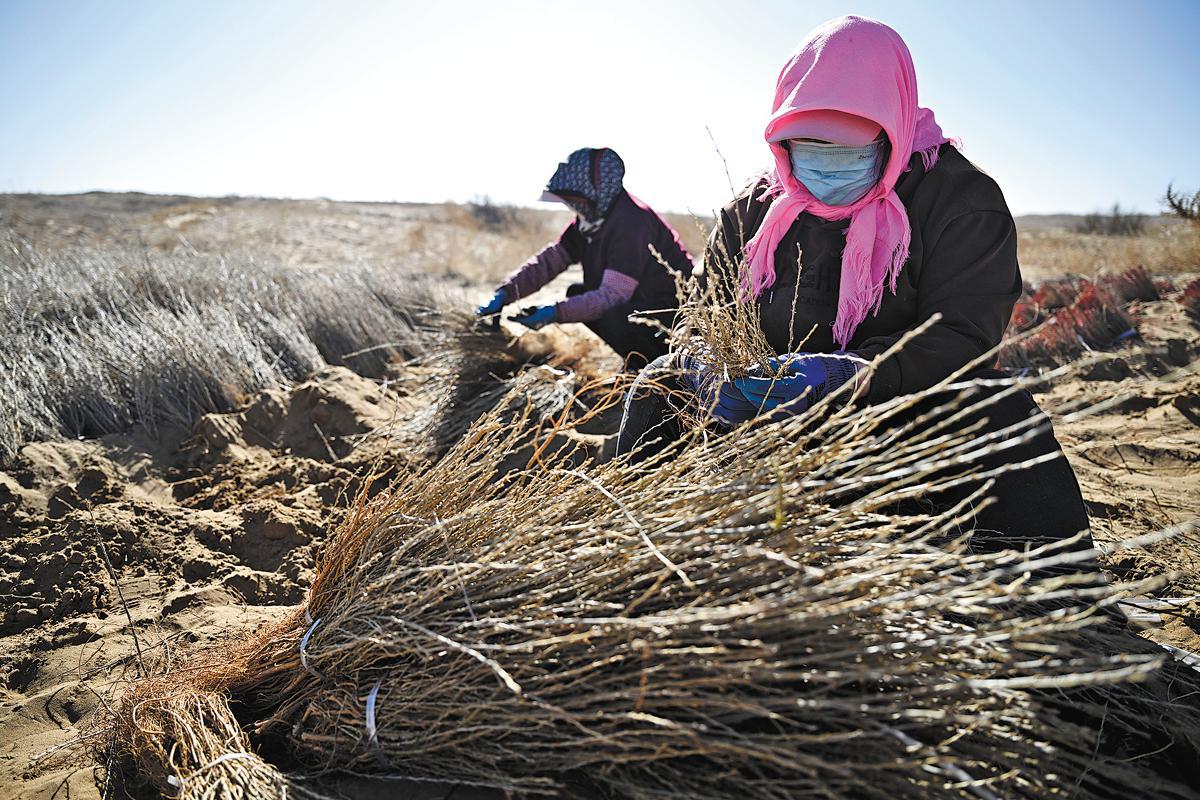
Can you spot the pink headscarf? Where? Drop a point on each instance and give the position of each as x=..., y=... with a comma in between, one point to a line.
x=857, y=66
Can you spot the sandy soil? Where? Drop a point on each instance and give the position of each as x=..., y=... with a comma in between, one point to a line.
x=201, y=533
x=208, y=532
x=1138, y=457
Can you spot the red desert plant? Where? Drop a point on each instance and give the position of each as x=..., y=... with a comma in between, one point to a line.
x=1190, y=300
x=1096, y=320
x=1134, y=283
x=1057, y=293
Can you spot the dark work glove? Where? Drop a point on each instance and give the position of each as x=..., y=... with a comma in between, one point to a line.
x=499, y=300
x=725, y=401
x=808, y=378
x=536, y=316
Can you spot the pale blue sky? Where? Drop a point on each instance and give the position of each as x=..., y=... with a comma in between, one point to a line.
x=1070, y=105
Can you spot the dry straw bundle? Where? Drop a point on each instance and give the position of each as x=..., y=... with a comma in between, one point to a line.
x=755, y=617
x=715, y=325
x=178, y=730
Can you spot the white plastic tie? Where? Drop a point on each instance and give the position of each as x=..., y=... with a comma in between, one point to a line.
x=1183, y=656
x=304, y=647
x=371, y=703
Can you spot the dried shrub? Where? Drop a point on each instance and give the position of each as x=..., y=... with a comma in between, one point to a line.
x=1058, y=293
x=716, y=325
x=1117, y=222
x=492, y=215
x=1183, y=205
x=751, y=618
x=95, y=341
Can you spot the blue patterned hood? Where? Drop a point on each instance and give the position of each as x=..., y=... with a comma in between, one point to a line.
x=589, y=180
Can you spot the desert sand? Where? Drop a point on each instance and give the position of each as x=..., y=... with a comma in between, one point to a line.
x=118, y=551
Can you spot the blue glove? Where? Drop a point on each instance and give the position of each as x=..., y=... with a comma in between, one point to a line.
x=732, y=406
x=808, y=379
x=493, y=306
x=536, y=317
x=724, y=399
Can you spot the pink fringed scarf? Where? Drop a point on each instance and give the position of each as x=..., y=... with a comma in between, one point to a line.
x=858, y=66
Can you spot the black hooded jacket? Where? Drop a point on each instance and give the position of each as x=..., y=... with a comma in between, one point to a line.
x=962, y=263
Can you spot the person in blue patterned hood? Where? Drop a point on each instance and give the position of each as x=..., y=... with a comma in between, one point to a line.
x=614, y=236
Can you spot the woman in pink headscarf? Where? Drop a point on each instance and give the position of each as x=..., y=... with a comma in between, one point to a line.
x=869, y=223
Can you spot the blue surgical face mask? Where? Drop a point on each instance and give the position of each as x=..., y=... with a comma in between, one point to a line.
x=835, y=174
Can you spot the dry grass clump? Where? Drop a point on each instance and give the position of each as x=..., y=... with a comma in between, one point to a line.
x=94, y=341
x=715, y=324
x=754, y=617
x=1161, y=248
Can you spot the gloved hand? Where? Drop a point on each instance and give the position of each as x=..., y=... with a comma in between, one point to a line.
x=499, y=300
x=536, y=316
x=732, y=407
x=808, y=379
x=725, y=400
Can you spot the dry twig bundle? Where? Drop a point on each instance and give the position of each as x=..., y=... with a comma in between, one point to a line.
x=716, y=325
x=755, y=617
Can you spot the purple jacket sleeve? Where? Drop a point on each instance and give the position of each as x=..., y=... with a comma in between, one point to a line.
x=537, y=271
x=615, y=288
